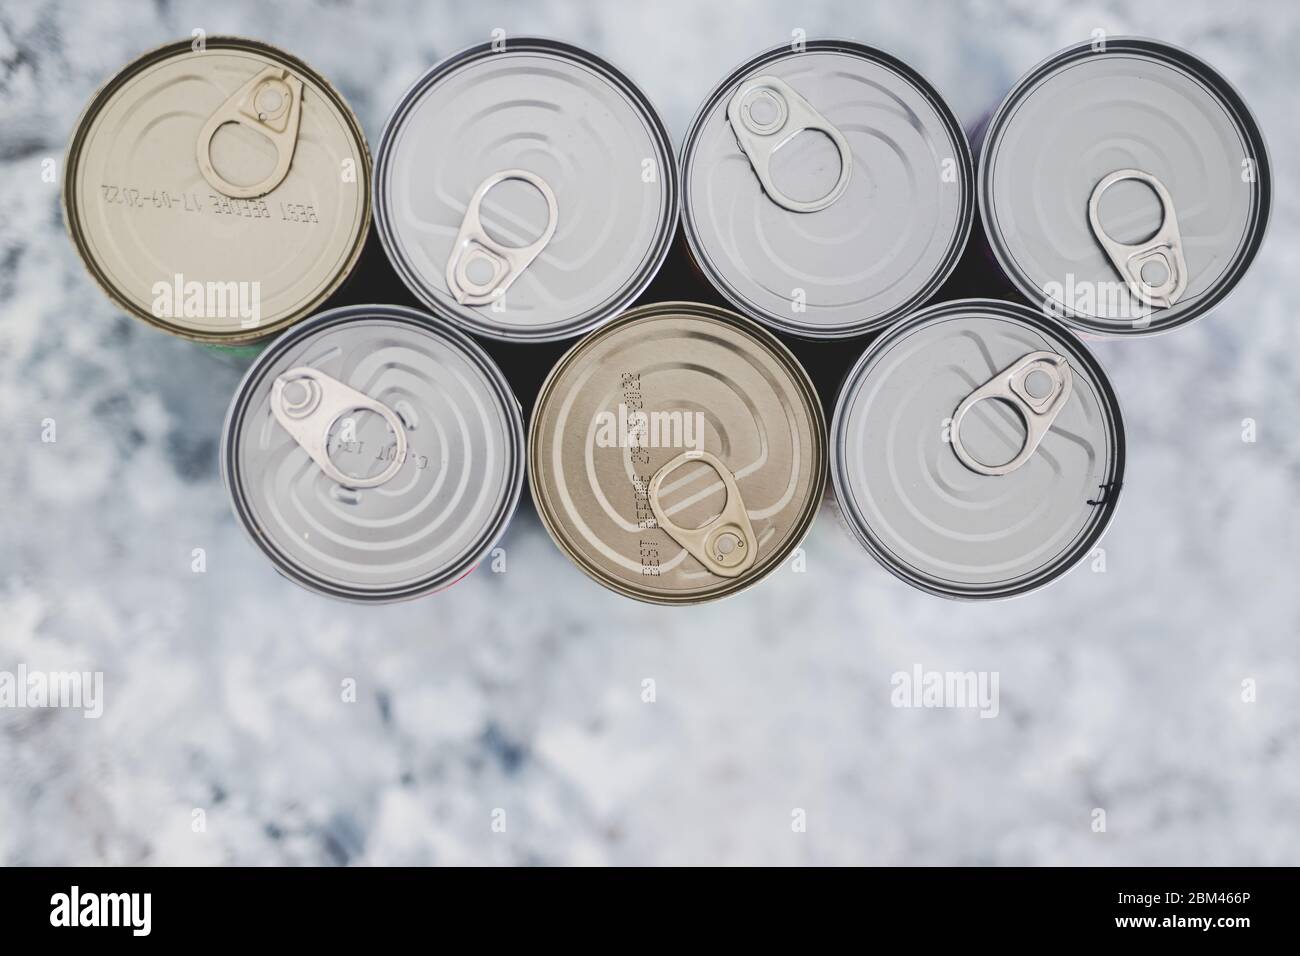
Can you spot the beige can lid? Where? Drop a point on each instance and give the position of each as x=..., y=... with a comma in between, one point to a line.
x=678, y=454
x=220, y=193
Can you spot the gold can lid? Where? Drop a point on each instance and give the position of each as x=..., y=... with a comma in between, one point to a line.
x=219, y=190
x=678, y=455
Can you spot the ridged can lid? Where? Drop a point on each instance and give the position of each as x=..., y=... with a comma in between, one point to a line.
x=219, y=193
x=678, y=454
x=1124, y=186
x=826, y=191
x=374, y=453
x=526, y=189
x=977, y=449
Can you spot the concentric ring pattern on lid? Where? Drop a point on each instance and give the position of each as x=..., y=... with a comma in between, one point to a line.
x=443, y=507
x=927, y=516
x=684, y=417
x=558, y=115
x=1138, y=106
x=147, y=220
x=876, y=252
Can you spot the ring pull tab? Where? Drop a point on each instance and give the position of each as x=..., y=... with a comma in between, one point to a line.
x=307, y=402
x=726, y=545
x=761, y=136
x=473, y=244
x=1038, y=412
x=270, y=104
x=1164, y=249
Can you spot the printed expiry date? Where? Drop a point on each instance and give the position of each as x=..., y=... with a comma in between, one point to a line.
x=637, y=454
x=386, y=452
x=192, y=202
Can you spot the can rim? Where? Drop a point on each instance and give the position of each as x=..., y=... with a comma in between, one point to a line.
x=952, y=126
x=101, y=96
x=655, y=256
x=1247, y=127
x=798, y=375
x=1046, y=574
x=234, y=421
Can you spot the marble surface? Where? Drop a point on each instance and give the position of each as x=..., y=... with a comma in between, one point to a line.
x=522, y=691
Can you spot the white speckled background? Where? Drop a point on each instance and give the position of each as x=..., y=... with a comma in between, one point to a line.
x=521, y=690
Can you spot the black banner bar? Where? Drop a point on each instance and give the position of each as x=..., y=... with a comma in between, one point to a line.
x=334, y=906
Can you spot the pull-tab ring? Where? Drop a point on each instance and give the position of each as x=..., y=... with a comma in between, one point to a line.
x=1165, y=248
x=726, y=545
x=761, y=137
x=473, y=244
x=309, y=414
x=270, y=104
x=1038, y=413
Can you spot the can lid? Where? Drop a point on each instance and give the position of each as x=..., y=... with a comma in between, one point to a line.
x=678, y=454
x=220, y=194
x=374, y=453
x=827, y=191
x=977, y=449
x=1125, y=187
x=556, y=205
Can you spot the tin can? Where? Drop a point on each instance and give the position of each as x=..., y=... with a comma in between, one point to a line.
x=678, y=454
x=827, y=190
x=374, y=453
x=219, y=191
x=526, y=189
x=977, y=449
x=1124, y=186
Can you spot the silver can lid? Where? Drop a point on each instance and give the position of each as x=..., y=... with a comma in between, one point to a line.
x=826, y=191
x=1124, y=187
x=374, y=453
x=528, y=190
x=977, y=449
